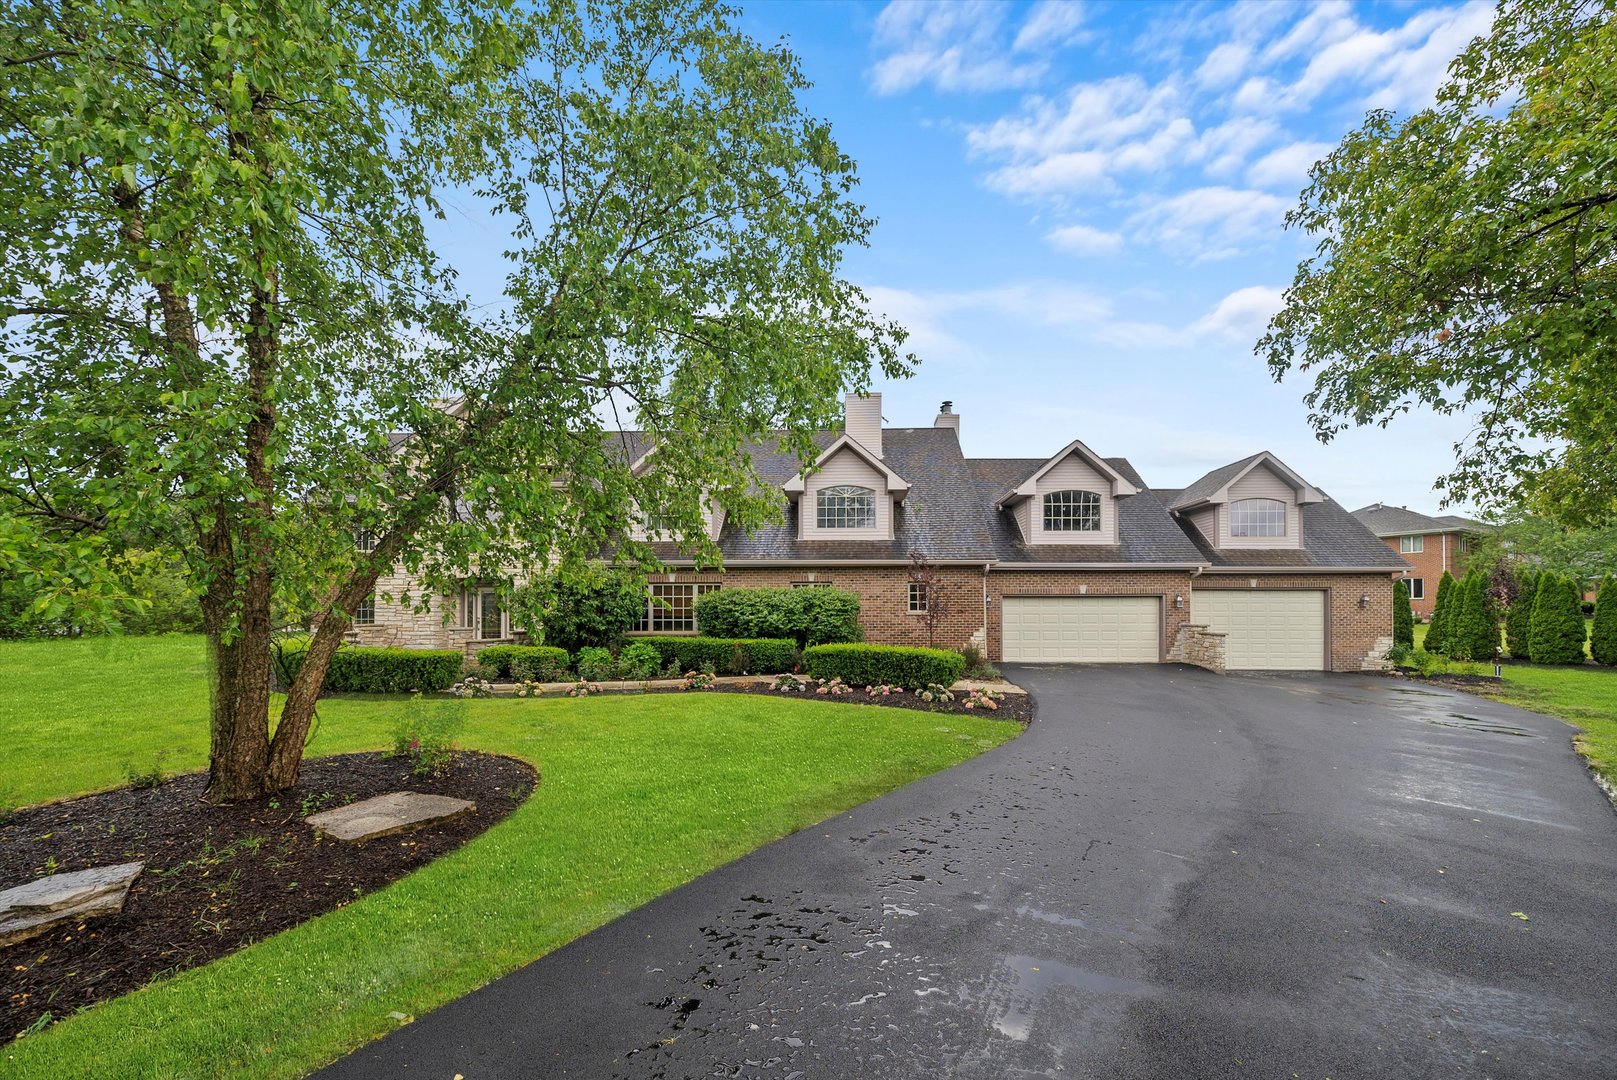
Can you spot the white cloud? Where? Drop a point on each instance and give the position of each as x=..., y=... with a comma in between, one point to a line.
x=1051, y=24
x=1209, y=222
x=953, y=46
x=1241, y=316
x=1085, y=240
x=1226, y=63
x=1288, y=166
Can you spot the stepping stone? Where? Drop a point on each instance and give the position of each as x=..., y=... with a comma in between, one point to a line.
x=395, y=812
x=32, y=909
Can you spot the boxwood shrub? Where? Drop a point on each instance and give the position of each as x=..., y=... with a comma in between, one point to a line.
x=540, y=658
x=729, y=656
x=808, y=616
x=893, y=665
x=360, y=670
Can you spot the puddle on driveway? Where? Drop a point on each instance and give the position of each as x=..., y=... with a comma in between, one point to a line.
x=1476, y=723
x=1036, y=978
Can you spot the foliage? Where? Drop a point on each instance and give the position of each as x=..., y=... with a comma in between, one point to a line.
x=219, y=301
x=472, y=687
x=148, y=779
x=359, y=670
x=425, y=732
x=924, y=576
x=981, y=698
x=1403, y=618
x=729, y=656
x=936, y=692
x=832, y=687
x=1402, y=654
x=1581, y=553
x=817, y=616
x=698, y=680
x=595, y=663
x=1443, y=609
x=1603, y=633
x=544, y=662
x=1518, y=618
x=1556, y=632
x=591, y=606
x=790, y=684
x=639, y=660
x=897, y=665
x=1464, y=263
x=1474, y=632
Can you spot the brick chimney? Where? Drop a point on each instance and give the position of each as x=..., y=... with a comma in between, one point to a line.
x=948, y=418
x=861, y=419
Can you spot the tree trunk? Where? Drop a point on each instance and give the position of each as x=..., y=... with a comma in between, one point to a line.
x=238, y=736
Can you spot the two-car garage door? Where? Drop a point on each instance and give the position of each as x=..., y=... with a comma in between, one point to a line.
x=1082, y=629
x=1265, y=629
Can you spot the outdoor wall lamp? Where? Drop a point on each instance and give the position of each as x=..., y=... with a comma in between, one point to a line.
x=1364, y=601
x=1178, y=602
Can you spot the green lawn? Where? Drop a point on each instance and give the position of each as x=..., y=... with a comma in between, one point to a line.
x=638, y=794
x=1585, y=697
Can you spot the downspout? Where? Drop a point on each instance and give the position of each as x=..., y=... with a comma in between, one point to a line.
x=986, y=567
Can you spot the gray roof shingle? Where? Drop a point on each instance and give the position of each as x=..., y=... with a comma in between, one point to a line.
x=1386, y=520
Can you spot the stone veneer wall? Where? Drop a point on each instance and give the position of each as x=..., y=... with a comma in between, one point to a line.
x=1353, y=633
x=398, y=627
x=1196, y=644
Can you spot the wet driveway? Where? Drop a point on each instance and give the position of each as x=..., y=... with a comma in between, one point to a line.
x=1172, y=874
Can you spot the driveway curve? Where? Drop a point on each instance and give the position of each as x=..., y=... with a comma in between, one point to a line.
x=1172, y=874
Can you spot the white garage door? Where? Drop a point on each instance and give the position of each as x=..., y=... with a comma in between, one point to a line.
x=1082, y=629
x=1276, y=630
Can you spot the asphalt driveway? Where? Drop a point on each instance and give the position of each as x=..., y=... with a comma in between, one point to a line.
x=1172, y=874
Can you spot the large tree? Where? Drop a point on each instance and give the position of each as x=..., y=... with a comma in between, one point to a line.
x=225, y=323
x=1467, y=262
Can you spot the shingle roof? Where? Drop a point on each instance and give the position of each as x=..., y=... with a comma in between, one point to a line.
x=1386, y=520
x=1332, y=539
x=1211, y=483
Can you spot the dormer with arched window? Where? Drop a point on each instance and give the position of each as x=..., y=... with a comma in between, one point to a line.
x=1071, y=499
x=1254, y=503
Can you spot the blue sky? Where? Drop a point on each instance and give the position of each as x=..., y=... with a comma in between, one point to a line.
x=1081, y=212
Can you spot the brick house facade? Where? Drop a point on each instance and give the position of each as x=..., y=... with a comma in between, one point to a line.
x=1428, y=545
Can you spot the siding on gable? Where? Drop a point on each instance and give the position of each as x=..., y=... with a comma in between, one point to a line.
x=1262, y=483
x=712, y=523
x=846, y=467
x=1075, y=474
x=1206, y=522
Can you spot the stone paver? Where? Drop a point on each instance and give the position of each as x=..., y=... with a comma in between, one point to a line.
x=385, y=815
x=35, y=907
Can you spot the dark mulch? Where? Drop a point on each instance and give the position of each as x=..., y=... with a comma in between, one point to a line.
x=217, y=877
x=1457, y=682
x=1018, y=707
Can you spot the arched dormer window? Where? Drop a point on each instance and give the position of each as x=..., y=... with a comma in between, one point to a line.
x=1257, y=517
x=1072, y=511
x=845, y=507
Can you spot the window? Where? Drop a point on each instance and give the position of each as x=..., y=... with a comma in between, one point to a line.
x=1258, y=517
x=364, y=540
x=1411, y=545
x=490, y=617
x=1462, y=544
x=1072, y=511
x=1417, y=588
x=845, y=507
x=919, y=594
x=672, y=608
x=365, y=613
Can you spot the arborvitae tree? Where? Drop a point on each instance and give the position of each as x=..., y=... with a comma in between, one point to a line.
x=1474, y=632
x=1520, y=615
x=1603, y=636
x=1556, y=633
x=1442, y=616
x=1403, y=619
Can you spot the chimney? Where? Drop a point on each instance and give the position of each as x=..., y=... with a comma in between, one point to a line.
x=861, y=419
x=948, y=418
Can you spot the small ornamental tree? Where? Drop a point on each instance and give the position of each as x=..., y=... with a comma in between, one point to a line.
x=925, y=581
x=1520, y=615
x=1556, y=632
x=1442, y=615
x=1603, y=635
x=1403, y=619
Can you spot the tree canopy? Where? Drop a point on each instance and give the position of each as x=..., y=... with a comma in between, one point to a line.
x=226, y=325
x=1467, y=262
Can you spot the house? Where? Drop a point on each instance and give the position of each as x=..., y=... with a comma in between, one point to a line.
x=1071, y=557
x=1429, y=545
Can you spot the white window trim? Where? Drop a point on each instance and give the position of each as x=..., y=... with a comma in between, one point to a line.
x=845, y=491
x=476, y=622
x=647, y=622
x=1416, y=593
x=1247, y=533
x=1411, y=545
x=360, y=618
x=1094, y=524
x=365, y=540
x=919, y=589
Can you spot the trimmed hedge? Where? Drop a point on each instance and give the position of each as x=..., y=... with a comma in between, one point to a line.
x=729, y=656
x=500, y=657
x=892, y=665
x=818, y=616
x=360, y=670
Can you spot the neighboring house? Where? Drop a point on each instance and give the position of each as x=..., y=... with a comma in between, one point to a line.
x=1430, y=545
x=1072, y=557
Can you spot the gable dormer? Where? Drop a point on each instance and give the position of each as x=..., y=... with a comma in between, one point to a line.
x=1071, y=499
x=643, y=526
x=848, y=494
x=1253, y=503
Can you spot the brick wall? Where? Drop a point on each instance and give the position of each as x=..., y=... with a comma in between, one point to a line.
x=1428, y=565
x=1354, y=633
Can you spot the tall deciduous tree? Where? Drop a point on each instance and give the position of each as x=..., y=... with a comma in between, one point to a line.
x=220, y=304
x=1466, y=262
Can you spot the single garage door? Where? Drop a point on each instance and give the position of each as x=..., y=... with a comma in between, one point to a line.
x=1082, y=629
x=1266, y=630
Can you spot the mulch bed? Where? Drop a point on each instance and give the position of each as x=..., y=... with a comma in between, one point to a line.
x=218, y=877
x=1457, y=682
x=1018, y=707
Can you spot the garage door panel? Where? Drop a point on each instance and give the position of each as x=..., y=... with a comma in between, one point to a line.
x=1082, y=629
x=1265, y=629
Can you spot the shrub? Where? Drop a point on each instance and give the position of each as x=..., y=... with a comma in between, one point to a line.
x=977, y=665
x=545, y=663
x=358, y=670
x=1403, y=618
x=1556, y=632
x=1437, y=636
x=1603, y=635
x=595, y=664
x=590, y=608
x=1520, y=615
x=425, y=734
x=808, y=616
x=639, y=660
x=1401, y=655
x=730, y=656
x=865, y=665
x=1474, y=632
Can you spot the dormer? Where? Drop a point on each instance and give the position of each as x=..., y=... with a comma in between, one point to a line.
x=1071, y=499
x=849, y=493
x=644, y=526
x=1254, y=503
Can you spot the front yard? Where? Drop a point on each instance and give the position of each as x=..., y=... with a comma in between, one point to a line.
x=637, y=795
